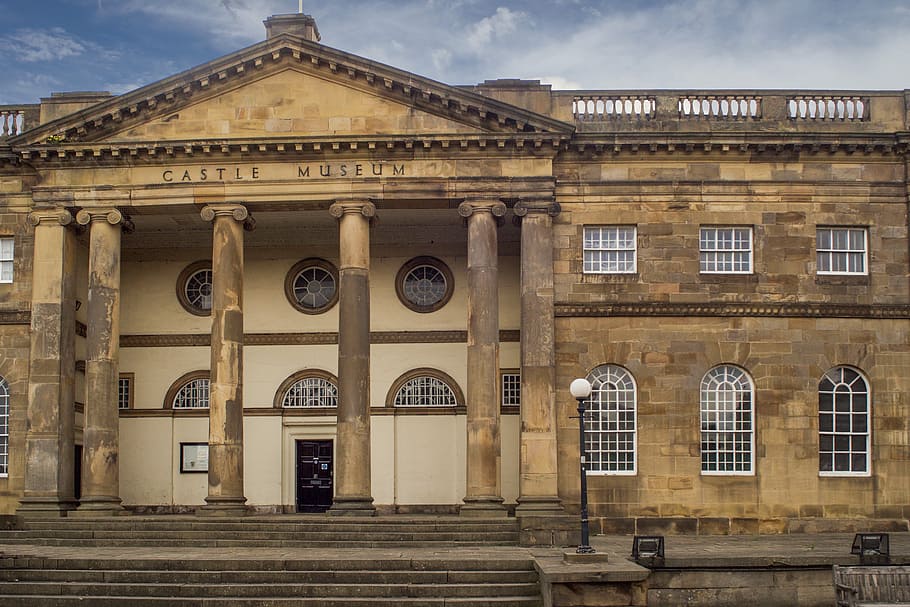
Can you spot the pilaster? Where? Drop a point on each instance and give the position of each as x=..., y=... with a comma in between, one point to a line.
x=353, y=490
x=484, y=495
x=49, y=444
x=225, y=477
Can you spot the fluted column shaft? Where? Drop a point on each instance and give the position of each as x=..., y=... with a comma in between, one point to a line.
x=100, y=435
x=353, y=492
x=226, y=383
x=483, y=496
x=537, y=485
x=49, y=446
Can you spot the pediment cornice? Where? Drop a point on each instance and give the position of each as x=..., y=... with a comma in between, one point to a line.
x=287, y=51
x=410, y=146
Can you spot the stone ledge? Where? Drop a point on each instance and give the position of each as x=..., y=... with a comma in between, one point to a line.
x=742, y=525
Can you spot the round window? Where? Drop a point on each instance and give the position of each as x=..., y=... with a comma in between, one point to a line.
x=312, y=286
x=424, y=284
x=194, y=288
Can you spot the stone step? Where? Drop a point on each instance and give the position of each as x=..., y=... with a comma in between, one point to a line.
x=371, y=535
x=126, y=601
x=333, y=543
x=356, y=562
x=236, y=590
x=258, y=524
x=411, y=576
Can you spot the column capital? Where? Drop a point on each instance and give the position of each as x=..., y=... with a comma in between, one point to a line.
x=110, y=215
x=59, y=216
x=496, y=207
x=344, y=207
x=237, y=212
x=536, y=205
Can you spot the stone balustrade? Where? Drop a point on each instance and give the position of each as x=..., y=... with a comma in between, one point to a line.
x=678, y=111
x=828, y=107
x=15, y=119
x=720, y=107
x=588, y=108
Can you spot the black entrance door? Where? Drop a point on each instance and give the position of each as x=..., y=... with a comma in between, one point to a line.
x=314, y=475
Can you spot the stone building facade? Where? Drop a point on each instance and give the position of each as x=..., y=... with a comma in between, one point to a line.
x=333, y=284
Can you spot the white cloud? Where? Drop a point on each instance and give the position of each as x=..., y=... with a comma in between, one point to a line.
x=500, y=23
x=32, y=45
x=442, y=59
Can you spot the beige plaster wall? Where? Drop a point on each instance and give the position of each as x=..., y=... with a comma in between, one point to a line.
x=148, y=465
x=150, y=306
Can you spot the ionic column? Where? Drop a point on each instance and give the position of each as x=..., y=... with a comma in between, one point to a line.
x=226, y=383
x=100, y=435
x=49, y=458
x=483, y=496
x=537, y=482
x=353, y=493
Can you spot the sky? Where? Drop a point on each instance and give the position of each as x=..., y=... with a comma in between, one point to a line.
x=119, y=45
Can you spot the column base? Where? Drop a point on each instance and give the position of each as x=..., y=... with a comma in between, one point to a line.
x=483, y=507
x=539, y=506
x=98, y=506
x=352, y=506
x=224, y=506
x=45, y=507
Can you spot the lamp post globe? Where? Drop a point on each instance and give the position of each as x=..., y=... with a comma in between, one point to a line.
x=581, y=390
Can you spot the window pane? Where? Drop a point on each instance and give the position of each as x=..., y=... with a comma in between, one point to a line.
x=609, y=249
x=841, y=250
x=611, y=421
x=726, y=420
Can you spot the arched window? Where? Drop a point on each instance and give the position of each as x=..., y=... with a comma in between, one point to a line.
x=727, y=428
x=611, y=423
x=844, y=423
x=425, y=388
x=189, y=392
x=4, y=427
x=308, y=389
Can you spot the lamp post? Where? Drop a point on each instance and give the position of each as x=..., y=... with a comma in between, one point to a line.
x=581, y=390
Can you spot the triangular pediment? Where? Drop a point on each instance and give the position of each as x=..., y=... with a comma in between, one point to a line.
x=288, y=87
x=290, y=102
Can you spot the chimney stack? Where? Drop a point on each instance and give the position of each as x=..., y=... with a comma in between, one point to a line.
x=297, y=24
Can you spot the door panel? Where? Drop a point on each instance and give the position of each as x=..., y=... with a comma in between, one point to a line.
x=314, y=475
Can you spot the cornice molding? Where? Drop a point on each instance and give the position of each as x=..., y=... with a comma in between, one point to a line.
x=783, y=310
x=773, y=143
x=291, y=148
x=307, y=339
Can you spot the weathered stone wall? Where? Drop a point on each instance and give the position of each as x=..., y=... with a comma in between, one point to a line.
x=15, y=301
x=668, y=350
x=786, y=358
x=783, y=202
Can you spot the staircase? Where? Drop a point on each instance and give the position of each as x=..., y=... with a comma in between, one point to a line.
x=262, y=561
x=291, y=531
x=330, y=582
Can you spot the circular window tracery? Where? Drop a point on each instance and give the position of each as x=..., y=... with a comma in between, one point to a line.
x=194, y=288
x=424, y=284
x=311, y=286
